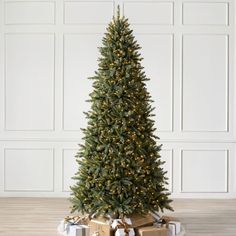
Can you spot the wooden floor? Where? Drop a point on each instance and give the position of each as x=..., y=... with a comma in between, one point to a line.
x=40, y=216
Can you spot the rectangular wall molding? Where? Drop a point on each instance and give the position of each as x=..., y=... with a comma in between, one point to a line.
x=88, y=12
x=29, y=12
x=205, y=59
x=167, y=155
x=28, y=170
x=79, y=49
x=29, y=63
x=162, y=91
x=205, y=13
x=69, y=168
x=149, y=13
x=197, y=174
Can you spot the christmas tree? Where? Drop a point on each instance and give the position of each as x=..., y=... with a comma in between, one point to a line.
x=120, y=171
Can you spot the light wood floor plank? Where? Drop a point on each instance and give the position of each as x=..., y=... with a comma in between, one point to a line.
x=40, y=216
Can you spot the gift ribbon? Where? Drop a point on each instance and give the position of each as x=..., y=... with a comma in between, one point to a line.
x=166, y=219
x=124, y=225
x=162, y=222
x=76, y=220
x=96, y=233
x=174, y=227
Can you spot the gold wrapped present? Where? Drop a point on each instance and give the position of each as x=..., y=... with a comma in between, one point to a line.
x=101, y=226
x=141, y=220
x=152, y=231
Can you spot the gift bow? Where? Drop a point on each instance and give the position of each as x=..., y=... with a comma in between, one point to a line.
x=96, y=233
x=76, y=220
x=124, y=225
x=162, y=221
x=166, y=219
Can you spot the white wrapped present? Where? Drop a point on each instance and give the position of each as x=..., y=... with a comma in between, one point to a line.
x=123, y=227
x=62, y=227
x=78, y=230
x=123, y=232
x=174, y=228
x=73, y=226
x=68, y=229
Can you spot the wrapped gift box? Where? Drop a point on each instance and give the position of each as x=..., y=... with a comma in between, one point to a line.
x=152, y=231
x=62, y=227
x=117, y=222
x=102, y=226
x=78, y=230
x=120, y=227
x=68, y=229
x=170, y=222
x=141, y=220
x=173, y=224
x=121, y=232
x=174, y=228
x=68, y=226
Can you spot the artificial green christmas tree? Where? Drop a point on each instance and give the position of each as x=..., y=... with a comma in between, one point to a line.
x=120, y=171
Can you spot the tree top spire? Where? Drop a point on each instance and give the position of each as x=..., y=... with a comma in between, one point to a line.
x=118, y=11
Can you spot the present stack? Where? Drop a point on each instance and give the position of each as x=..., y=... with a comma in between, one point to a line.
x=133, y=225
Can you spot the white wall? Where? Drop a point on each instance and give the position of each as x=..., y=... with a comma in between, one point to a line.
x=49, y=48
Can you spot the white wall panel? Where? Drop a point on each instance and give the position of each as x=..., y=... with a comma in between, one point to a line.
x=29, y=81
x=157, y=51
x=205, y=13
x=70, y=167
x=205, y=83
x=85, y=12
x=80, y=62
x=160, y=13
x=29, y=170
x=167, y=156
x=26, y=12
x=204, y=170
